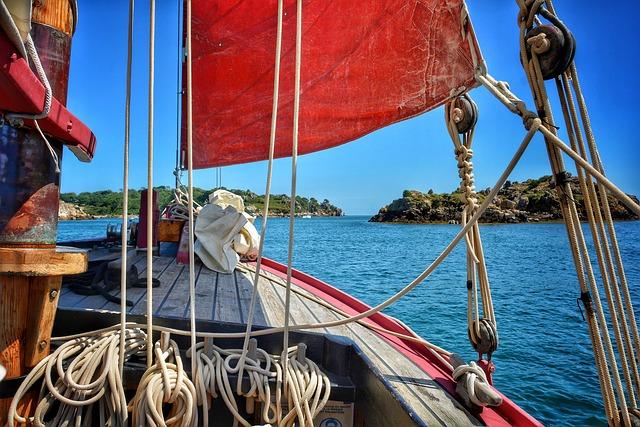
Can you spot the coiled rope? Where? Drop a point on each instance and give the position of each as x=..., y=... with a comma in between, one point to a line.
x=81, y=376
x=165, y=383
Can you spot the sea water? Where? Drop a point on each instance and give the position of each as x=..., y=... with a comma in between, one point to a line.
x=544, y=362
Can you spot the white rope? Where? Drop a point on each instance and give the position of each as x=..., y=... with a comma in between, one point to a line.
x=535, y=123
x=165, y=383
x=294, y=169
x=149, y=311
x=473, y=374
x=42, y=76
x=8, y=24
x=125, y=189
x=267, y=193
x=190, y=224
x=482, y=330
x=214, y=367
x=52, y=151
x=82, y=374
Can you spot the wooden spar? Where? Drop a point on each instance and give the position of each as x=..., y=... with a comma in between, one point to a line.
x=31, y=267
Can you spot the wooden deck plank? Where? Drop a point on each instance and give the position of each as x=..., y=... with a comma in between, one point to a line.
x=205, y=294
x=227, y=302
x=133, y=294
x=167, y=280
x=177, y=302
x=160, y=265
x=429, y=401
x=274, y=315
x=245, y=291
x=70, y=299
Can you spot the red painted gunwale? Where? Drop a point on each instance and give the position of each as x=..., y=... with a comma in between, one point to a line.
x=507, y=414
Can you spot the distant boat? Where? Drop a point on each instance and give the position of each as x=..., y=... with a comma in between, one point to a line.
x=306, y=216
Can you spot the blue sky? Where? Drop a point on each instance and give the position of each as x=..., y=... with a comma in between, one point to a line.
x=362, y=176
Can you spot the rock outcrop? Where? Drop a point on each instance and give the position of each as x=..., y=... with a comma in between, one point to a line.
x=68, y=211
x=533, y=200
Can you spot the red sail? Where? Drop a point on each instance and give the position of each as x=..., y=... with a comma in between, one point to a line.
x=365, y=65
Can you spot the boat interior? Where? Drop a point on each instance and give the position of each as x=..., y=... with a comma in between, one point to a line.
x=370, y=379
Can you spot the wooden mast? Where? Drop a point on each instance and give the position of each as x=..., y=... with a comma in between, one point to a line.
x=31, y=266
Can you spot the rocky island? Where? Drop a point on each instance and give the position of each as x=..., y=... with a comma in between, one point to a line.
x=532, y=200
x=108, y=203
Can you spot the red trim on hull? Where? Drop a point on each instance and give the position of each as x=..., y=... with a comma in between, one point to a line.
x=22, y=92
x=505, y=415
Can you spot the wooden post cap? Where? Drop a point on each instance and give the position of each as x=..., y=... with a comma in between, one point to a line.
x=58, y=261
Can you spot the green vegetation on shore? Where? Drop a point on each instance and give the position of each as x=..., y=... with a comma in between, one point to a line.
x=109, y=203
x=532, y=200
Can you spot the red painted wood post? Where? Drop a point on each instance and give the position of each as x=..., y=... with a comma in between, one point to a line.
x=142, y=227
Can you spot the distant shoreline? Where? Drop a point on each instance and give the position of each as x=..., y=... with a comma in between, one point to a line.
x=530, y=201
x=550, y=221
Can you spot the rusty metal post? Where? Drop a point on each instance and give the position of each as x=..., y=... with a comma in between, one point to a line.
x=31, y=267
x=29, y=184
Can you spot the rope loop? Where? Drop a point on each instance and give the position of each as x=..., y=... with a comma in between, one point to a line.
x=306, y=389
x=471, y=373
x=87, y=378
x=165, y=383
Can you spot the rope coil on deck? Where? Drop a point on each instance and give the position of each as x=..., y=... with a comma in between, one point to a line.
x=90, y=381
x=165, y=383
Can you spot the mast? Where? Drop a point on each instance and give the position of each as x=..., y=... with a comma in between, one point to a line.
x=31, y=267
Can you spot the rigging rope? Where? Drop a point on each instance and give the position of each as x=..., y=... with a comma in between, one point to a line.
x=149, y=311
x=615, y=390
x=292, y=205
x=267, y=192
x=165, y=383
x=125, y=188
x=461, y=114
x=191, y=223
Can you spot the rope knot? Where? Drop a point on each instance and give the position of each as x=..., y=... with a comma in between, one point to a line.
x=539, y=43
x=457, y=115
x=467, y=179
x=472, y=384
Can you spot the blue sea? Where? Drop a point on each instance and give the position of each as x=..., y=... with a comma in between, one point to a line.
x=544, y=362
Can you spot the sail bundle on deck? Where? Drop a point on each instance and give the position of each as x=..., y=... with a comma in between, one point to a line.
x=362, y=69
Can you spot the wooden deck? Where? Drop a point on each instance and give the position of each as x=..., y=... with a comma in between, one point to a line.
x=226, y=297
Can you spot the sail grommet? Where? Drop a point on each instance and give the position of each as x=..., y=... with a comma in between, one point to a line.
x=554, y=47
x=464, y=113
x=487, y=339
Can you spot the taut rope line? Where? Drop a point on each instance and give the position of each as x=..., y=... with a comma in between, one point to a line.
x=461, y=115
x=192, y=271
x=267, y=196
x=292, y=206
x=152, y=29
x=125, y=189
